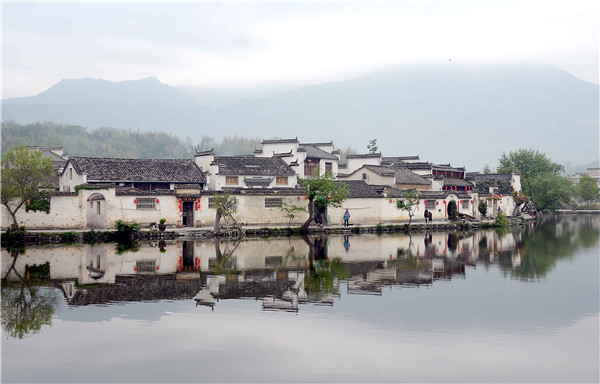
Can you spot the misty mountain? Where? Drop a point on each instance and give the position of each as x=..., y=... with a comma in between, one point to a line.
x=466, y=115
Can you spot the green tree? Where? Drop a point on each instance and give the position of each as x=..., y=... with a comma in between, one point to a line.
x=408, y=203
x=486, y=170
x=322, y=191
x=587, y=188
x=291, y=210
x=529, y=163
x=372, y=146
x=24, y=174
x=226, y=205
x=550, y=192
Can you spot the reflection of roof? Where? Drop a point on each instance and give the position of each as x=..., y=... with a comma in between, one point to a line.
x=250, y=165
x=138, y=170
x=316, y=153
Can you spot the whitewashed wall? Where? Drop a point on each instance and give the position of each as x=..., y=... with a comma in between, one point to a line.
x=66, y=212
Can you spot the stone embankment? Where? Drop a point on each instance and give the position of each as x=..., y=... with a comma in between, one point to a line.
x=91, y=236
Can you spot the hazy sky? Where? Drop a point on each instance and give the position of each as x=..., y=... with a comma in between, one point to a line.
x=248, y=44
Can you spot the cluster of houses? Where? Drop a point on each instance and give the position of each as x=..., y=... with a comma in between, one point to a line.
x=96, y=192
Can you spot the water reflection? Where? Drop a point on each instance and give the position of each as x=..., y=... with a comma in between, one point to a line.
x=283, y=274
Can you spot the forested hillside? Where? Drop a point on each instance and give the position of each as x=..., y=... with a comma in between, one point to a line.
x=112, y=142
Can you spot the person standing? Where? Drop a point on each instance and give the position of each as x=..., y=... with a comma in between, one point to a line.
x=426, y=215
x=346, y=218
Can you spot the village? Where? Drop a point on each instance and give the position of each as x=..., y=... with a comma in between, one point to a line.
x=95, y=193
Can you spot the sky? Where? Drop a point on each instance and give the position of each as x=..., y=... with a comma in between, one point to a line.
x=258, y=44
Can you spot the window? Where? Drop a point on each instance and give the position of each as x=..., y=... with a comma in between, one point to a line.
x=211, y=203
x=328, y=167
x=91, y=204
x=273, y=202
x=70, y=173
x=364, y=175
x=282, y=180
x=465, y=203
x=311, y=167
x=98, y=211
x=145, y=265
x=430, y=204
x=145, y=203
x=231, y=180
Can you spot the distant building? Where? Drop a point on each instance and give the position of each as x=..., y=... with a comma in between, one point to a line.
x=246, y=171
x=304, y=158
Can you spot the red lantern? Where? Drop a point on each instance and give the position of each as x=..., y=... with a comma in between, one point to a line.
x=437, y=203
x=298, y=197
x=444, y=201
x=134, y=200
x=471, y=201
x=425, y=201
x=410, y=200
x=500, y=196
x=390, y=200
x=157, y=201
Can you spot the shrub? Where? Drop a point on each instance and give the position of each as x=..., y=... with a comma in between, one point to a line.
x=482, y=208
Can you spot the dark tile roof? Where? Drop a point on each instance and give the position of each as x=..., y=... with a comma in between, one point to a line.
x=364, y=156
x=360, y=189
x=250, y=165
x=138, y=170
x=131, y=191
x=205, y=153
x=482, y=177
x=402, y=174
x=318, y=144
x=449, y=181
x=258, y=181
x=398, y=159
x=316, y=153
x=279, y=141
x=259, y=191
x=447, y=168
x=418, y=165
x=442, y=194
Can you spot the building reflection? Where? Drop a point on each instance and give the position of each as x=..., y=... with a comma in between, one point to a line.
x=286, y=273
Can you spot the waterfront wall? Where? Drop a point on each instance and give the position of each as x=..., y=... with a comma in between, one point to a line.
x=102, y=208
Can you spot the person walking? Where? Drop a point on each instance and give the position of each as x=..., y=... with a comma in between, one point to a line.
x=426, y=215
x=346, y=218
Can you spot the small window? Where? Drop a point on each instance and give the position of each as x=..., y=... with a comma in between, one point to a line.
x=430, y=204
x=282, y=180
x=70, y=173
x=91, y=204
x=328, y=167
x=364, y=176
x=231, y=180
x=273, y=202
x=465, y=203
x=211, y=203
x=98, y=211
x=145, y=203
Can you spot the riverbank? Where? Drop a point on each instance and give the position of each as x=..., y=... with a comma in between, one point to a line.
x=92, y=236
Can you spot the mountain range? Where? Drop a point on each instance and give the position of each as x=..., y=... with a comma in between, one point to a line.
x=463, y=114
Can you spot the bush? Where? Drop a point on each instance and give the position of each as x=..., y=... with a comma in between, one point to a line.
x=69, y=237
x=501, y=220
x=126, y=227
x=452, y=210
x=482, y=208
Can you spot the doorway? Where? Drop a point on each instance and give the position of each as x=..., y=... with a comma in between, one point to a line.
x=188, y=214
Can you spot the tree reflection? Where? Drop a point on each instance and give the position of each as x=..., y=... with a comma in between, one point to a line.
x=25, y=307
x=541, y=248
x=322, y=272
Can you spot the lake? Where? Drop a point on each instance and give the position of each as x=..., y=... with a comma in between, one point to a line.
x=483, y=306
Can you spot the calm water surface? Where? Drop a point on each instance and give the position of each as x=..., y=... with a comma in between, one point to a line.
x=520, y=306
